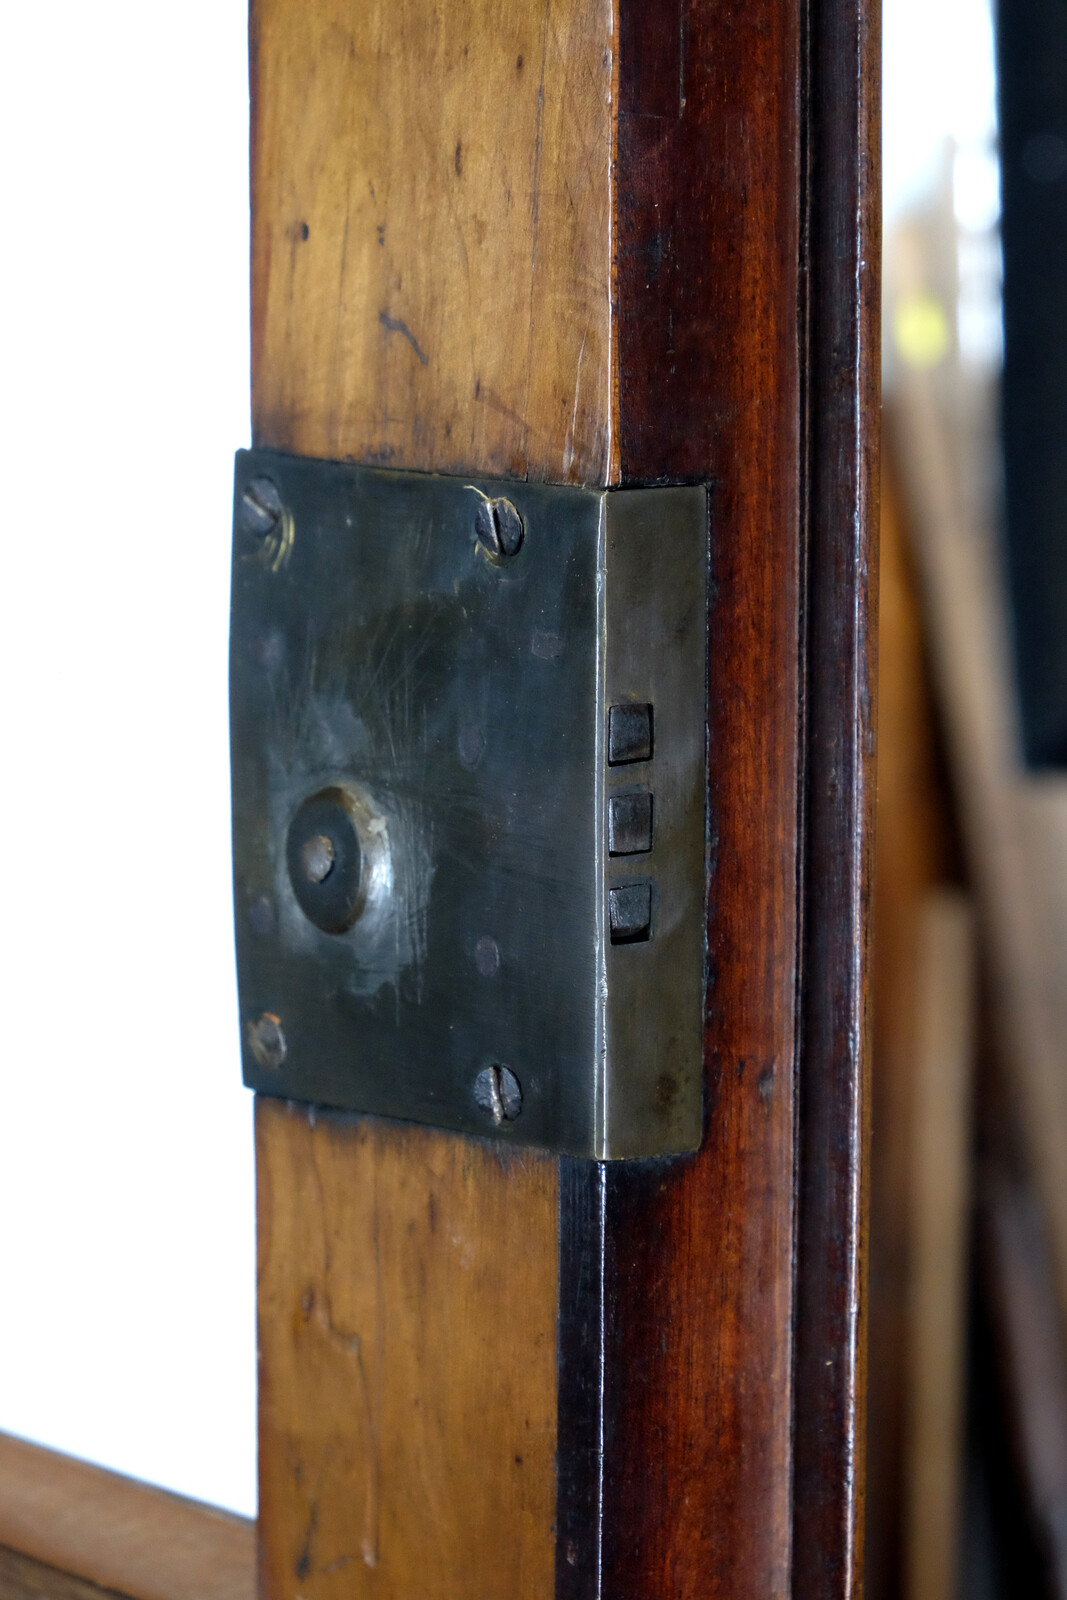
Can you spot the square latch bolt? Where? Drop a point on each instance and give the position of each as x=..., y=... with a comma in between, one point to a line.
x=629, y=824
x=630, y=913
x=629, y=734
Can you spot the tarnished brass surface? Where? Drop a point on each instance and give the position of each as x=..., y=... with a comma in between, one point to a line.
x=422, y=674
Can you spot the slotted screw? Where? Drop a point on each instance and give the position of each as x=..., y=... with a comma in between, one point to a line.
x=317, y=858
x=499, y=528
x=497, y=1091
x=267, y=1041
x=261, y=509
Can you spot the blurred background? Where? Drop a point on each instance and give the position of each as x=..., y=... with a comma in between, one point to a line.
x=967, y=1444
x=126, y=1185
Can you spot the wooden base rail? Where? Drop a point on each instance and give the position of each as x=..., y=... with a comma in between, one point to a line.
x=114, y=1533
x=22, y=1578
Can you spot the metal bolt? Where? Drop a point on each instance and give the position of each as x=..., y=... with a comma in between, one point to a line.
x=267, y=1041
x=324, y=855
x=261, y=510
x=317, y=858
x=498, y=1092
x=499, y=528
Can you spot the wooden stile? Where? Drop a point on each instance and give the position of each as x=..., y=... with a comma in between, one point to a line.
x=841, y=86
x=407, y=1286
x=431, y=257
x=570, y=241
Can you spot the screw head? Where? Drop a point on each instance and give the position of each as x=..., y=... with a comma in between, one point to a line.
x=498, y=1093
x=499, y=529
x=317, y=857
x=261, y=510
x=325, y=860
x=267, y=1041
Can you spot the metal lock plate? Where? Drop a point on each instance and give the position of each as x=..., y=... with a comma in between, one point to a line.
x=469, y=801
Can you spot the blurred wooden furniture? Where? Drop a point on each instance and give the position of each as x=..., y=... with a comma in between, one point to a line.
x=60, y=1517
x=940, y=1226
x=1014, y=824
x=945, y=647
x=923, y=999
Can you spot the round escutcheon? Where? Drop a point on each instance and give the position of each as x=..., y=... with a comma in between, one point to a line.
x=325, y=860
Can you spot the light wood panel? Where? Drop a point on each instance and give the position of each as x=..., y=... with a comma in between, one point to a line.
x=431, y=192
x=407, y=1292
x=120, y=1534
x=430, y=289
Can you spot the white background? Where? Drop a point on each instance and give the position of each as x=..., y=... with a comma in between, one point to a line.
x=126, y=1190
x=938, y=83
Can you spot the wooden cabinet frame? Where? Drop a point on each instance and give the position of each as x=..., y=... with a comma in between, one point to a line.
x=599, y=244
x=598, y=241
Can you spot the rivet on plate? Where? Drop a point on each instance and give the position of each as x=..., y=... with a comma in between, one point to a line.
x=267, y=1041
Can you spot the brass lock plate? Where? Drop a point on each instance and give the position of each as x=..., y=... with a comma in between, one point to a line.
x=468, y=729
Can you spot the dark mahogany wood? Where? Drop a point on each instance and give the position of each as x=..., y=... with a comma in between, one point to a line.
x=697, y=1264
x=747, y=335
x=843, y=369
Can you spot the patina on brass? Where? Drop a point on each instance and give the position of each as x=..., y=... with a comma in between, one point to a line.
x=469, y=800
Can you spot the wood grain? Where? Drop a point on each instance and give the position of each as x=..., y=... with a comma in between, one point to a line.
x=778, y=146
x=696, y=1280
x=431, y=257
x=119, y=1534
x=843, y=247
x=517, y=317
x=407, y=1290
x=430, y=289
